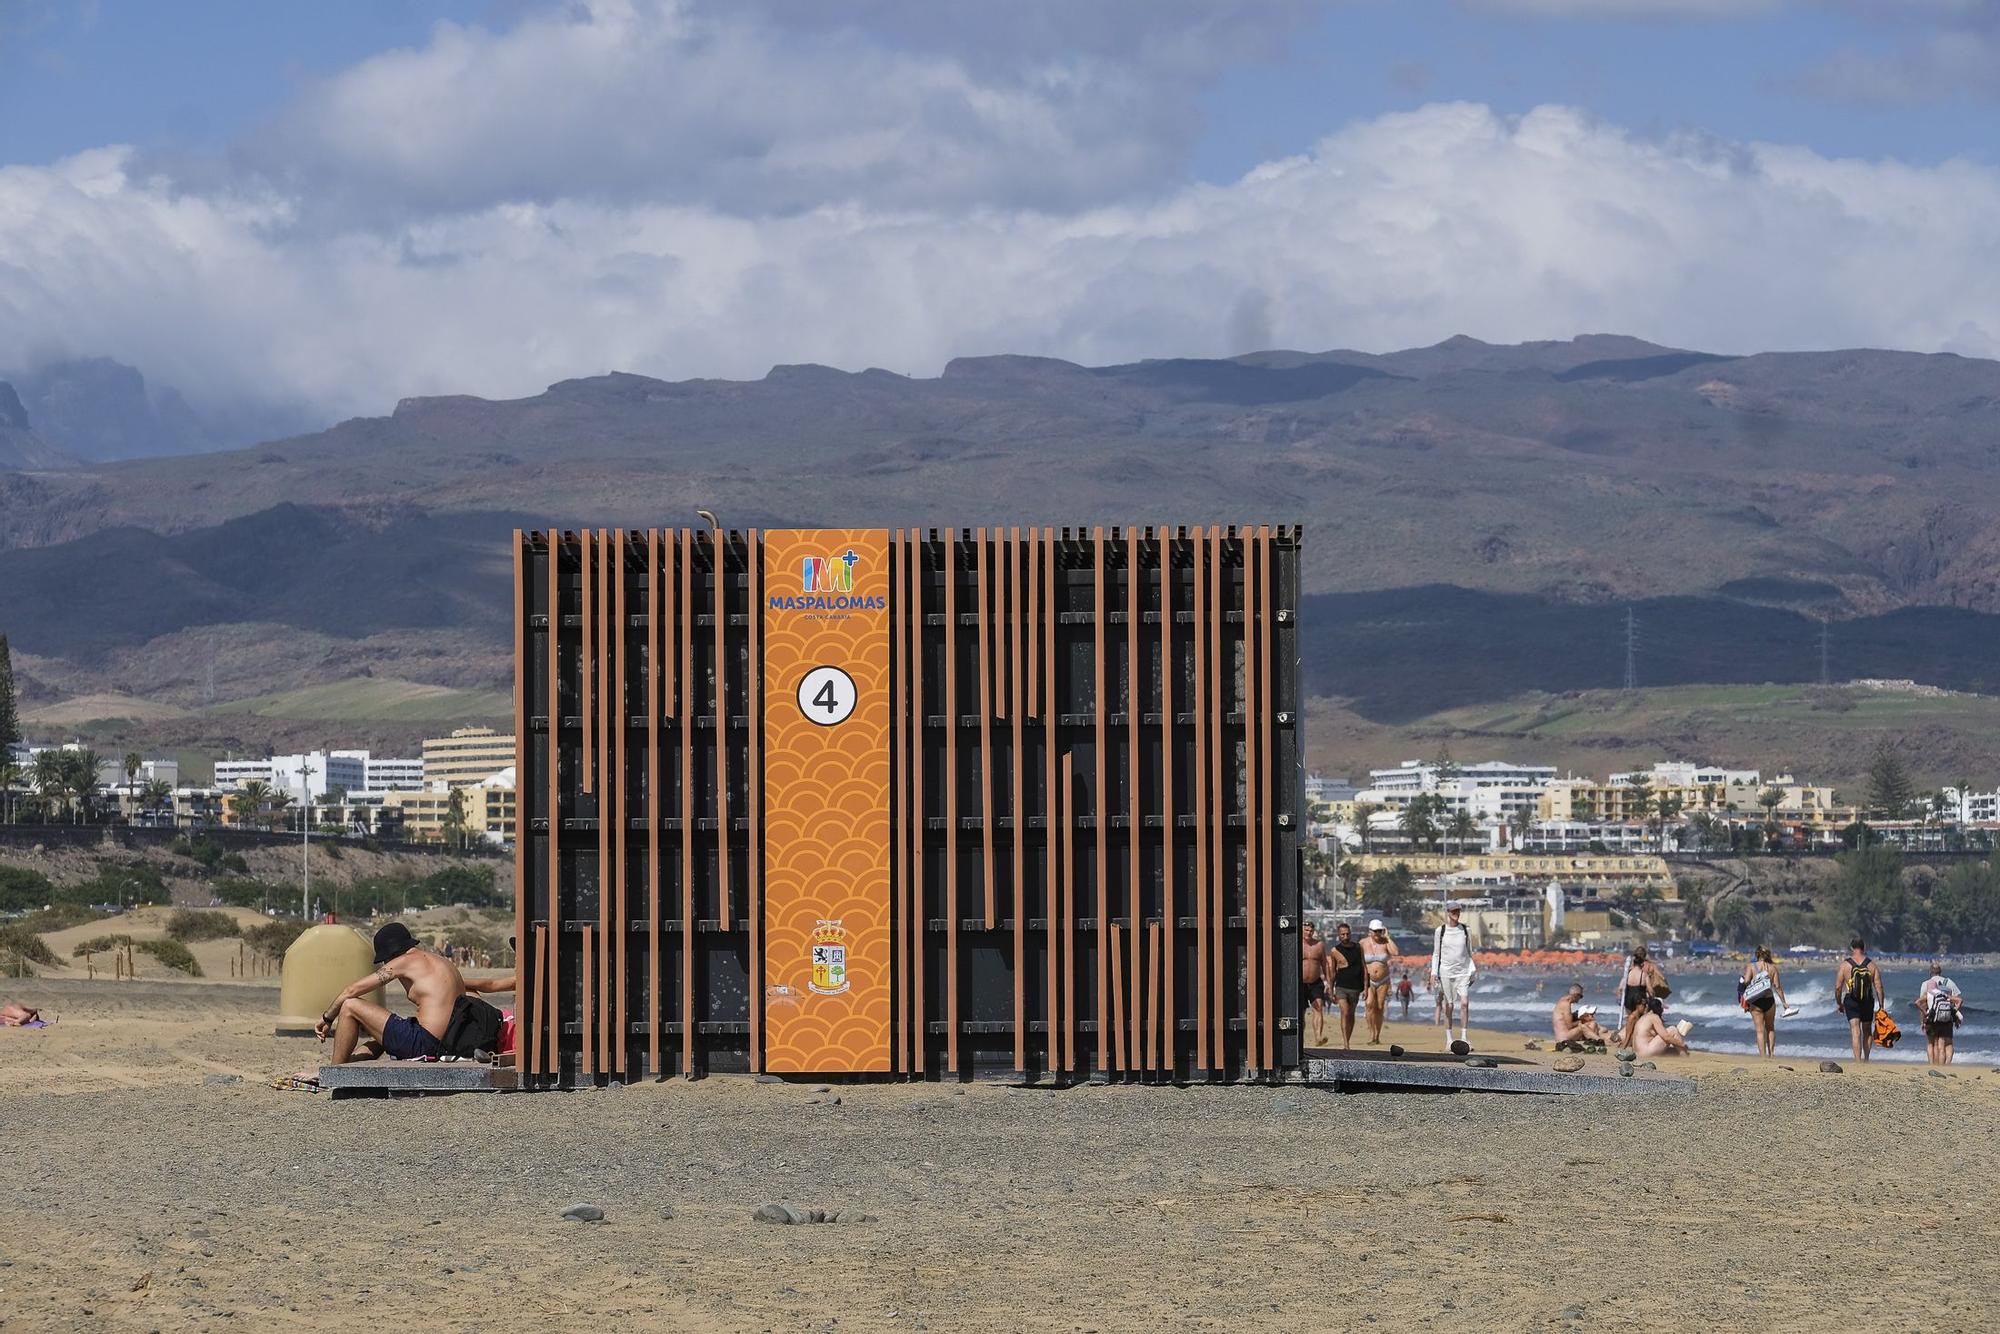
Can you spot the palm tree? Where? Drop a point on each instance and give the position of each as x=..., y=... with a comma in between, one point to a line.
x=11, y=775
x=455, y=825
x=1416, y=820
x=82, y=773
x=279, y=801
x=1463, y=827
x=1364, y=811
x=134, y=762
x=51, y=771
x=157, y=795
x=249, y=800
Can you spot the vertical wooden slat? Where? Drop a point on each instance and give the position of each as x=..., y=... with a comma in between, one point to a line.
x=1264, y=782
x=656, y=1013
x=684, y=542
x=1135, y=890
x=899, y=792
x=1153, y=1055
x=1253, y=908
x=547, y=1020
x=524, y=969
x=1119, y=1059
x=606, y=867
x=1051, y=886
x=618, y=947
x=1169, y=670
x=1016, y=761
x=1036, y=542
x=1100, y=810
x=545, y=1001
x=585, y=548
x=1198, y=709
x=1218, y=708
x=722, y=831
x=951, y=796
x=590, y=990
x=753, y=866
x=1068, y=886
x=918, y=845
x=984, y=575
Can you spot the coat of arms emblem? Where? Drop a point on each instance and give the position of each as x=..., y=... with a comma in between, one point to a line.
x=829, y=958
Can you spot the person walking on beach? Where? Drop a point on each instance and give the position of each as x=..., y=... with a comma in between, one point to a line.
x=1939, y=1004
x=1452, y=969
x=1763, y=993
x=1376, y=951
x=1857, y=991
x=1403, y=993
x=1312, y=980
x=1344, y=960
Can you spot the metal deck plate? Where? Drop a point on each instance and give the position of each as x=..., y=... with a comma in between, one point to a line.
x=415, y=1077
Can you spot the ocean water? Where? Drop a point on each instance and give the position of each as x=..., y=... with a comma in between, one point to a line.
x=1506, y=999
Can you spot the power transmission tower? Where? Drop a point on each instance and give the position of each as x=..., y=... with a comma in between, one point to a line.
x=1631, y=650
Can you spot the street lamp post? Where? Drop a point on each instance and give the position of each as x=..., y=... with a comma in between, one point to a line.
x=305, y=841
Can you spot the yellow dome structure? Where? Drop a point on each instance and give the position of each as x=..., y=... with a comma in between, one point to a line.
x=319, y=966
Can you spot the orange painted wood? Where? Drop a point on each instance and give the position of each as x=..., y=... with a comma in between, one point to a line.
x=524, y=963
x=722, y=830
x=1220, y=680
x=1169, y=673
x=1100, y=807
x=753, y=866
x=951, y=839
x=684, y=541
x=656, y=1012
x=1016, y=762
x=1267, y=843
x=984, y=575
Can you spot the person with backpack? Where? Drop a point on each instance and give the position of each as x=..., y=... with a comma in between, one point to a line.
x=1452, y=969
x=1857, y=990
x=1938, y=1004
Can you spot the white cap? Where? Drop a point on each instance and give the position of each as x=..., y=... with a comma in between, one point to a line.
x=1451, y=907
x=1375, y=924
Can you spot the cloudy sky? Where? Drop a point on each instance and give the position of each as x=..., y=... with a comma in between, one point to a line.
x=340, y=205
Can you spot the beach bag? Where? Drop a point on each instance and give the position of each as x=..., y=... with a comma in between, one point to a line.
x=1661, y=987
x=474, y=1026
x=1758, y=986
x=1886, y=1032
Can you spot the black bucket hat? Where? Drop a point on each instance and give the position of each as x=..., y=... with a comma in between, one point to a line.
x=393, y=941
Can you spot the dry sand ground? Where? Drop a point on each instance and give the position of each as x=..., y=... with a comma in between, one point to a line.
x=134, y=1194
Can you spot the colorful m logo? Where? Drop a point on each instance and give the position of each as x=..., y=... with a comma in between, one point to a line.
x=828, y=575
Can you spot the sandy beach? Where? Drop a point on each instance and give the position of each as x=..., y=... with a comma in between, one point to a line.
x=147, y=1187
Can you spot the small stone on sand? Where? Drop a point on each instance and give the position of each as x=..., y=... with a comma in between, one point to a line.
x=584, y=1213
x=1568, y=1065
x=1829, y=1067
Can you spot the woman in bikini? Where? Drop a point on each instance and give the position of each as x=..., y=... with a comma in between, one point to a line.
x=1763, y=994
x=1643, y=979
x=1376, y=951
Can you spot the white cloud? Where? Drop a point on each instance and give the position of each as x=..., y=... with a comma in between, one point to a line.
x=769, y=106
x=1395, y=231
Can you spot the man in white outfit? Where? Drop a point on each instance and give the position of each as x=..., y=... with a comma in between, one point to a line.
x=1451, y=973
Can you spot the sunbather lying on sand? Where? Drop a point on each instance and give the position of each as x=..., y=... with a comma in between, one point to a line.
x=16, y=1016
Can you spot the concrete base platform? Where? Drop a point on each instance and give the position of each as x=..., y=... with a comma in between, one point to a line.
x=385, y=1078
x=1442, y=1076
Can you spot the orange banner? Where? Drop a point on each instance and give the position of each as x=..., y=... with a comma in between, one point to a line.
x=826, y=801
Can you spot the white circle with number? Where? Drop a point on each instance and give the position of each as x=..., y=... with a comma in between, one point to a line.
x=826, y=696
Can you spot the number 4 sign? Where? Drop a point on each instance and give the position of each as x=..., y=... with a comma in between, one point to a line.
x=826, y=696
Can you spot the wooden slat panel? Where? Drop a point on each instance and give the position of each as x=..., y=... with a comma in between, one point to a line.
x=618, y=946
x=546, y=1021
x=1253, y=908
x=684, y=542
x=919, y=725
x=899, y=804
x=984, y=574
x=951, y=839
x=606, y=871
x=1199, y=709
x=525, y=974
x=1119, y=1060
x=1135, y=894
x=1067, y=880
x=1037, y=699
x=656, y=1013
x=1100, y=808
x=1045, y=656
x=1220, y=690
x=1169, y=672
x=586, y=548
x=1153, y=1055
x=1268, y=842
x=545, y=999
x=753, y=867
x=722, y=831
x=1016, y=761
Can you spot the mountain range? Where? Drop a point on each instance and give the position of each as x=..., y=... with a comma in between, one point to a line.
x=1477, y=516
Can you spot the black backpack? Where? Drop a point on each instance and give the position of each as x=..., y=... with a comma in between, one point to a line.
x=474, y=1027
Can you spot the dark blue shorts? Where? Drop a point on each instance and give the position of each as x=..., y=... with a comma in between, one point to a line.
x=406, y=1039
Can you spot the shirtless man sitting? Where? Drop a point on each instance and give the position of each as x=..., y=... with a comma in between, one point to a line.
x=1652, y=1037
x=1574, y=1025
x=449, y=1022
